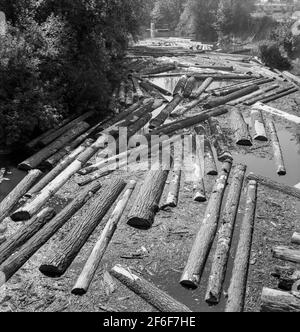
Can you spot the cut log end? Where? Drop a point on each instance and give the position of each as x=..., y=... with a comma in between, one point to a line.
x=24, y=167
x=244, y=142
x=260, y=138
x=79, y=291
x=50, y=271
x=189, y=284
x=281, y=171
x=20, y=216
x=212, y=299
x=200, y=198
x=139, y=223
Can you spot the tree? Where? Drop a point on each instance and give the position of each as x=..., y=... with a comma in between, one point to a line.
x=168, y=12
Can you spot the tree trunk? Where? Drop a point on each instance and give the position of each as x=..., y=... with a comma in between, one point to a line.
x=54, y=147
x=238, y=284
x=228, y=219
x=86, y=277
x=24, y=234
x=287, y=254
x=219, y=140
x=18, y=192
x=147, y=291
x=179, y=88
x=160, y=69
x=189, y=87
x=258, y=126
x=272, y=96
x=221, y=77
x=137, y=88
x=200, y=251
x=278, y=301
x=204, y=86
x=296, y=238
x=281, y=170
x=149, y=86
x=59, y=262
x=240, y=128
x=188, y=107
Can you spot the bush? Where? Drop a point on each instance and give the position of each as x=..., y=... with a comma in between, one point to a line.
x=273, y=56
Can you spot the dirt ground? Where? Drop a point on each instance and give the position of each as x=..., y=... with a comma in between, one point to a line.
x=160, y=254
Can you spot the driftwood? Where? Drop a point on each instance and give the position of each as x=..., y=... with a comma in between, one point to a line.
x=238, y=283
x=189, y=87
x=240, y=128
x=24, y=234
x=281, y=169
x=287, y=254
x=179, y=88
x=278, y=301
x=204, y=240
x=15, y=262
x=59, y=262
x=35, y=160
x=18, y=192
x=204, y=86
x=147, y=291
x=296, y=238
x=82, y=285
x=219, y=140
x=288, y=190
x=228, y=219
x=258, y=125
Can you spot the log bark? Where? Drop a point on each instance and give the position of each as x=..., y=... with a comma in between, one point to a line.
x=258, y=125
x=204, y=86
x=189, y=87
x=238, y=284
x=147, y=291
x=228, y=220
x=272, y=96
x=287, y=254
x=24, y=234
x=200, y=251
x=15, y=262
x=281, y=169
x=56, y=265
x=179, y=88
x=210, y=167
x=86, y=277
x=278, y=301
x=35, y=160
x=18, y=192
x=296, y=238
x=233, y=96
x=240, y=128
x=219, y=140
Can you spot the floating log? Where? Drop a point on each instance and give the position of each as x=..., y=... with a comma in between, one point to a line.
x=188, y=107
x=24, y=234
x=219, y=140
x=179, y=88
x=146, y=84
x=189, y=87
x=223, y=77
x=296, y=238
x=240, y=128
x=15, y=262
x=160, y=69
x=274, y=111
x=147, y=291
x=35, y=160
x=281, y=169
x=210, y=167
x=278, y=301
x=56, y=265
x=86, y=277
x=204, y=86
x=272, y=96
x=18, y=192
x=137, y=87
x=165, y=113
x=238, y=283
x=198, y=174
x=224, y=100
x=258, y=125
x=228, y=219
x=287, y=254
x=200, y=251
x=288, y=190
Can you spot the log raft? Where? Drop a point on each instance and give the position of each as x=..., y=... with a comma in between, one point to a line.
x=240, y=128
x=278, y=301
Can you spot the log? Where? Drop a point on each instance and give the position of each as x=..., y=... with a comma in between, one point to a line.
x=113, y=104
x=129, y=94
x=165, y=113
x=15, y=262
x=147, y=291
x=95, y=176
x=179, y=88
x=2, y=239
x=291, y=77
x=238, y=283
x=288, y=190
x=18, y=192
x=219, y=140
x=223, y=77
x=204, y=239
x=210, y=167
x=258, y=125
x=287, y=278
x=281, y=169
x=240, y=128
x=296, y=238
x=146, y=84
x=189, y=87
x=272, y=96
x=278, y=301
x=233, y=96
x=67, y=161
x=274, y=111
x=188, y=107
x=24, y=234
x=86, y=277
x=56, y=265
x=35, y=160
x=204, y=86
x=287, y=254
x=146, y=204
x=122, y=93
x=225, y=235
x=137, y=88
x=160, y=69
